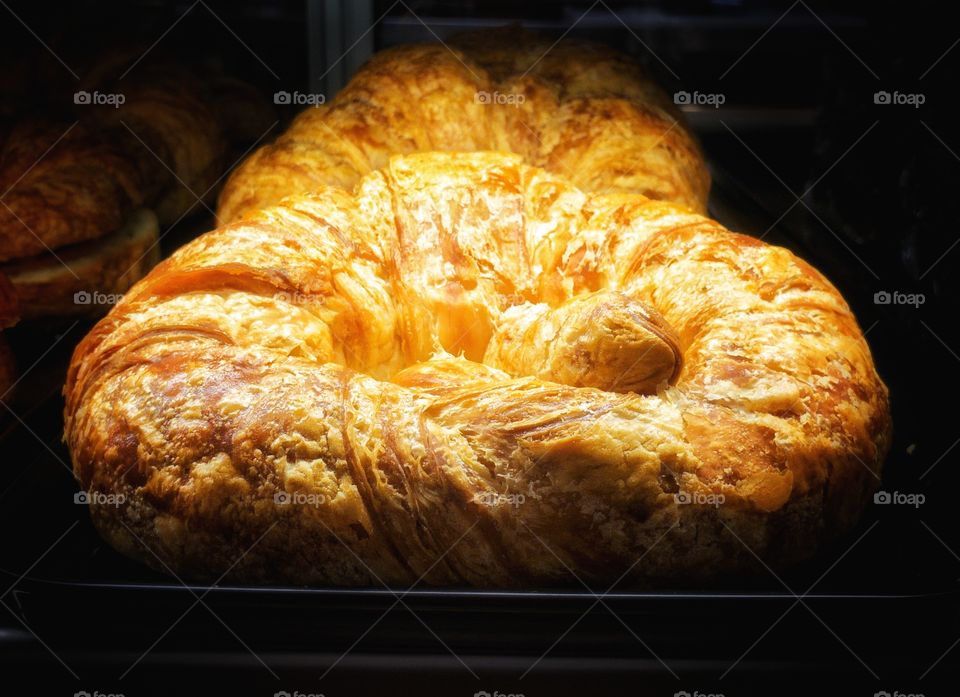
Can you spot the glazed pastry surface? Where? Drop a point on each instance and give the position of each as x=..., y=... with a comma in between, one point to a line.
x=412, y=380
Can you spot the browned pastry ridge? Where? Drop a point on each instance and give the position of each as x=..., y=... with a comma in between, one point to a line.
x=577, y=109
x=411, y=382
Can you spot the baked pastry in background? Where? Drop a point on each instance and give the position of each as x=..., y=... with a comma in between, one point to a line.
x=181, y=140
x=62, y=217
x=578, y=109
x=68, y=185
x=87, y=278
x=420, y=372
x=64, y=184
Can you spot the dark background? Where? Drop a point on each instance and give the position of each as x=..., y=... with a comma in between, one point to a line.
x=801, y=154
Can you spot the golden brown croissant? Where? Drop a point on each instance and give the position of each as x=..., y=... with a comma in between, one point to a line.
x=153, y=137
x=577, y=109
x=150, y=139
x=298, y=397
x=63, y=184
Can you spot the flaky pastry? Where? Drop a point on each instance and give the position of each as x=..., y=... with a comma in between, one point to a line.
x=577, y=109
x=413, y=381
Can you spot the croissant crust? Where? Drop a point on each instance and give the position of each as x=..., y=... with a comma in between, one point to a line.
x=578, y=109
x=306, y=394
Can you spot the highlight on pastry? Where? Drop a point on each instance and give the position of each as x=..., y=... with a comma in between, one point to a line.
x=471, y=370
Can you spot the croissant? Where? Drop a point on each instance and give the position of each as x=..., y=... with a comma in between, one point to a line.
x=470, y=371
x=577, y=109
x=64, y=184
x=71, y=190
